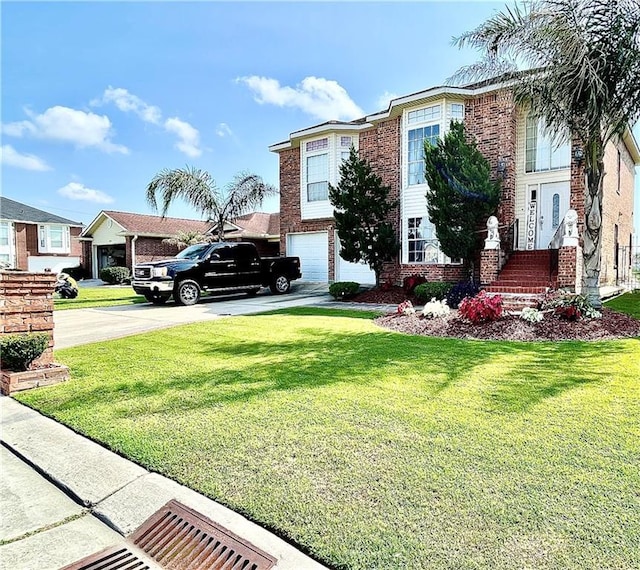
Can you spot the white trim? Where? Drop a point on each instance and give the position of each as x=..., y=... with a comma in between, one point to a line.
x=10, y=248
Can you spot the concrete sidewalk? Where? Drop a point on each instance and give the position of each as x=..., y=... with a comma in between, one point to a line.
x=105, y=498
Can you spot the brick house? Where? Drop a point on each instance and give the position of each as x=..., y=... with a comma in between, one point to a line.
x=35, y=240
x=124, y=238
x=541, y=182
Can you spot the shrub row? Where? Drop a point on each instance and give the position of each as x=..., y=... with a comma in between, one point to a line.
x=115, y=275
x=18, y=351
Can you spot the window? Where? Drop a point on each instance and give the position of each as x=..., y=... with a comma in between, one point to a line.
x=346, y=142
x=424, y=115
x=4, y=234
x=543, y=151
x=422, y=244
x=415, y=150
x=317, y=177
x=457, y=111
x=54, y=239
x=320, y=144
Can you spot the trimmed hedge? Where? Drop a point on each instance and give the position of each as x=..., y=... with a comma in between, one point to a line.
x=435, y=289
x=115, y=275
x=344, y=289
x=18, y=351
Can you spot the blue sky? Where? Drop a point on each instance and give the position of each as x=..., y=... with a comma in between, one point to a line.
x=98, y=97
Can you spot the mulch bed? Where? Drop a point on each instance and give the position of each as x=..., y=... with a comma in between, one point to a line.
x=392, y=296
x=612, y=325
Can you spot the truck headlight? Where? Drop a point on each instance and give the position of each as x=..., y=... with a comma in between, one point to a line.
x=159, y=272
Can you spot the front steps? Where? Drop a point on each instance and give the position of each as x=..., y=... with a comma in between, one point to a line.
x=524, y=279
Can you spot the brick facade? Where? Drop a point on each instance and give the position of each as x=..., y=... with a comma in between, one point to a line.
x=492, y=119
x=567, y=267
x=27, y=244
x=26, y=305
x=489, y=265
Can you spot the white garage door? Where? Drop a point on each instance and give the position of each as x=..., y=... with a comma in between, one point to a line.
x=313, y=251
x=347, y=271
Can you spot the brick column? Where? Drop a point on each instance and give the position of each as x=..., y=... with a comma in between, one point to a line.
x=26, y=305
x=489, y=265
x=567, y=267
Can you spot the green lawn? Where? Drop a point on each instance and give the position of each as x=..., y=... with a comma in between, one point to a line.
x=100, y=297
x=377, y=450
x=628, y=303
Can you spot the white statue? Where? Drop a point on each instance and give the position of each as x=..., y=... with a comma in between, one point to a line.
x=570, y=237
x=493, y=236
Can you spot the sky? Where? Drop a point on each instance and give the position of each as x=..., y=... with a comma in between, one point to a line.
x=98, y=97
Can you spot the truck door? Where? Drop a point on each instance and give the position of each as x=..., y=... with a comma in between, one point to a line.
x=247, y=264
x=220, y=268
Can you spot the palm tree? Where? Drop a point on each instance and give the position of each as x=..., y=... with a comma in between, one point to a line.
x=583, y=58
x=198, y=188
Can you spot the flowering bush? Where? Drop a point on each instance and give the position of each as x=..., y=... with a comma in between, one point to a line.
x=531, y=315
x=410, y=283
x=570, y=306
x=406, y=308
x=461, y=290
x=435, y=309
x=481, y=308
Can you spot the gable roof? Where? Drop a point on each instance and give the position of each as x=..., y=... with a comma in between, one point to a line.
x=19, y=212
x=256, y=225
x=147, y=225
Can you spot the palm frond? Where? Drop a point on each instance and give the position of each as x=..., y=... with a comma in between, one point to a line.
x=196, y=187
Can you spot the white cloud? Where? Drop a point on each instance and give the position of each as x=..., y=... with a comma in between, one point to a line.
x=77, y=191
x=383, y=101
x=189, y=137
x=11, y=157
x=322, y=98
x=67, y=125
x=224, y=130
x=126, y=102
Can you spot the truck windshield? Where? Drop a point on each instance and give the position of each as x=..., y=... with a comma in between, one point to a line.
x=194, y=251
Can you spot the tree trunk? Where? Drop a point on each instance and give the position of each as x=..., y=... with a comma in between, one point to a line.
x=592, y=239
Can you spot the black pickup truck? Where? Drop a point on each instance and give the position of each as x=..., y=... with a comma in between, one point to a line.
x=222, y=267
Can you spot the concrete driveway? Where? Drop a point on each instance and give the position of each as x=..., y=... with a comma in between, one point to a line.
x=82, y=326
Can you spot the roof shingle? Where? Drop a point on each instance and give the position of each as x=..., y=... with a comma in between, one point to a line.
x=19, y=212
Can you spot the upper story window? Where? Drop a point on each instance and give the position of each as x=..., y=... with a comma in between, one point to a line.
x=320, y=144
x=543, y=151
x=456, y=110
x=4, y=234
x=317, y=177
x=54, y=239
x=415, y=151
x=423, y=125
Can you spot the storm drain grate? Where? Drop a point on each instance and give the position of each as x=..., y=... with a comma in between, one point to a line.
x=177, y=537
x=113, y=558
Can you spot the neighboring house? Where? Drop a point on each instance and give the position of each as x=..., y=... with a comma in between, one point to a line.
x=126, y=239
x=540, y=183
x=35, y=240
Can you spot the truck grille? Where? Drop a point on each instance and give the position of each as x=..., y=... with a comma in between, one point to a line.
x=142, y=272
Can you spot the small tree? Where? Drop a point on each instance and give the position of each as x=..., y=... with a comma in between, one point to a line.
x=184, y=239
x=362, y=209
x=461, y=195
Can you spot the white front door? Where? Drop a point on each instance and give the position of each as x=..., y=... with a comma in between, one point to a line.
x=553, y=204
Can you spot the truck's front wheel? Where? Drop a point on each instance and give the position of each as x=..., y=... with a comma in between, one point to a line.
x=187, y=292
x=280, y=285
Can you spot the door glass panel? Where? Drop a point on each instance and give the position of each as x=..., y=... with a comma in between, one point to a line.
x=556, y=210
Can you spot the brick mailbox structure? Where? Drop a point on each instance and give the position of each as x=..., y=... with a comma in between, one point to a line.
x=26, y=305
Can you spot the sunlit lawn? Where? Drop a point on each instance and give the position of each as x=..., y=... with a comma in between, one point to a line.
x=103, y=296
x=372, y=449
x=628, y=303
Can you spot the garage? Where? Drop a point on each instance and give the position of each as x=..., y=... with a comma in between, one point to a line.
x=313, y=251
x=347, y=271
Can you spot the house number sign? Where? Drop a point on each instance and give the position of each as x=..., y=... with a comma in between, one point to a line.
x=531, y=225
